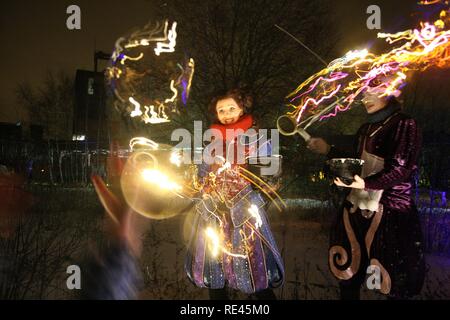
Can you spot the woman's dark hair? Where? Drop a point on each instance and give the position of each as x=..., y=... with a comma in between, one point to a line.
x=243, y=99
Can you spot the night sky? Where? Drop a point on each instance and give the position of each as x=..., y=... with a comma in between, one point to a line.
x=35, y=38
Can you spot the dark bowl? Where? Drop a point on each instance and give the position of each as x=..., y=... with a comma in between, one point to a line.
x=345, y=169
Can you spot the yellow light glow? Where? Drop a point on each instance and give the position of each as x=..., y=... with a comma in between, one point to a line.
x=175, y=158
x=215, y=244
x=142, y=141
x=170, y=45
x=253, y=210
x=137, y=108
x=125, y=58
x=160, y=179
x=155, y=117
x=174, y=90
x=214, y=241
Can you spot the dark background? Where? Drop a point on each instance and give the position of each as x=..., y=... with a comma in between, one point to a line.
x=35, y=38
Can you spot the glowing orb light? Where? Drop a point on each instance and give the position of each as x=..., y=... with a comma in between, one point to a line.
x=153, y=186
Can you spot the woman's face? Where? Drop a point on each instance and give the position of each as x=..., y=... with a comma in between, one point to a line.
x=373, y=102
x=228, y=111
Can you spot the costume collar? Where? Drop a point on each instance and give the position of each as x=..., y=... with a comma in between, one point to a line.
x=244, y=123
x=384, y=113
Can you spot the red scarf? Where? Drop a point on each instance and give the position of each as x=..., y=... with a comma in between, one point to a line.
x=242, y=125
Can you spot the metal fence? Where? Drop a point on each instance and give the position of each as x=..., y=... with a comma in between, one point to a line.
x=73, y=162
x=54, y=162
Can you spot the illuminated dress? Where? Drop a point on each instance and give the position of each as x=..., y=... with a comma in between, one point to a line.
x=380, y=225
x=231, y=242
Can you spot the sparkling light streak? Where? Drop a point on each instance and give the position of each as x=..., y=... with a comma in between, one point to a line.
x=335, y=88
x=170, y=41
x=160, y=179
x=253, y=210
x=147, y=76
x=216, y=246
x=142, y=141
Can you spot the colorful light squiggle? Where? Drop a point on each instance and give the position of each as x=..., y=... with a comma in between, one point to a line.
x=337, y=87
x=147, y=77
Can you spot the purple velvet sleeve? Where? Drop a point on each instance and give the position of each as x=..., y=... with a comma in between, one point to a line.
x=399, y=165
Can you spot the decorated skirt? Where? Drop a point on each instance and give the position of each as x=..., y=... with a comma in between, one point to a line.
x=233, y=245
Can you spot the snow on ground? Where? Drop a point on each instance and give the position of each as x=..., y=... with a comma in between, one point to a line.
x=302, y=237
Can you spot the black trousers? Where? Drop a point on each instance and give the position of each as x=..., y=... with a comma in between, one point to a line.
x=397, y=244
x=350, y=289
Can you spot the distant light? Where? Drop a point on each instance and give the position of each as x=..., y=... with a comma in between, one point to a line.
x=78, y=137
x=91, y=86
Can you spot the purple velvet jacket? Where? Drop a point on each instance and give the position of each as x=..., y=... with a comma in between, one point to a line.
x=398, y=141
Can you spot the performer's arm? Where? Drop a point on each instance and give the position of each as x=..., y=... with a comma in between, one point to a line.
x=401, y=164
